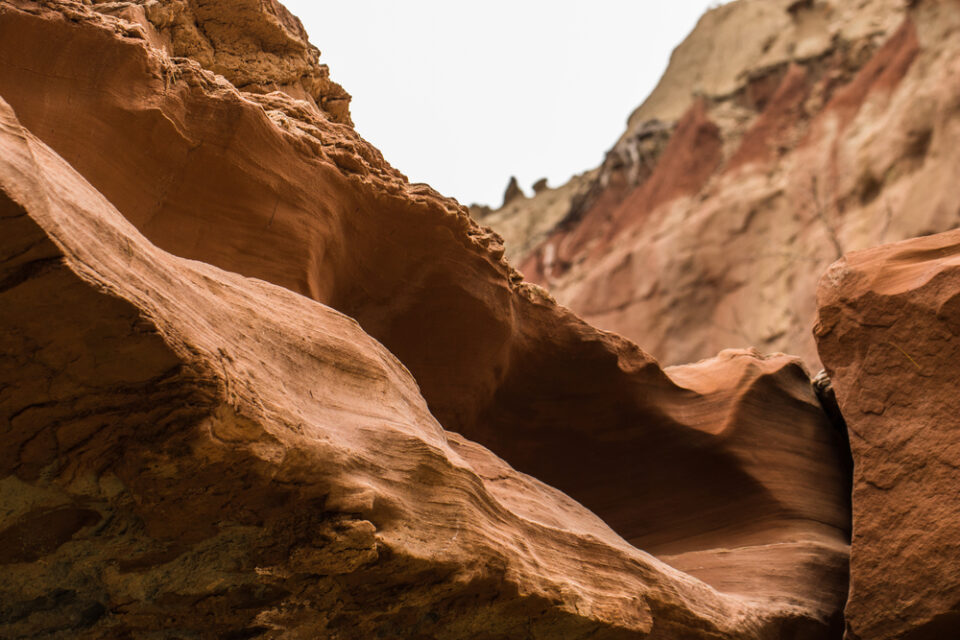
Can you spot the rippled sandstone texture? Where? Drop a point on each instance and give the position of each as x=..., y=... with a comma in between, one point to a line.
x=782, y=135
x=889, y=334
x=191, y=445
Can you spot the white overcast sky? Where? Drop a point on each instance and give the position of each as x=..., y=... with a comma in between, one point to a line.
x=462, y=95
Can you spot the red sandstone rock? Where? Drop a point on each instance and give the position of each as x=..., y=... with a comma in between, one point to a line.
x=247, y=439
x=191, y=452
x=888, y=335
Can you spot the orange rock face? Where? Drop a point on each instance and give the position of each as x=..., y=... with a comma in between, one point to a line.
x=888, y=335
x=189, y=452
x=256, y=384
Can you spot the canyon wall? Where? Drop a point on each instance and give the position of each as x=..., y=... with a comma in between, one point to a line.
x=782, y=135
x=256, y=384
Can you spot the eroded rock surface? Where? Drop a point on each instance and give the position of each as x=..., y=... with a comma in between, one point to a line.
x=258, y=45
x=889, y=334
x=260, y=458
x=189, y=452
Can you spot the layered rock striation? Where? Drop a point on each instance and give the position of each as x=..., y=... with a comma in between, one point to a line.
x=256, y=384
x=782, y=135
x=194, y=453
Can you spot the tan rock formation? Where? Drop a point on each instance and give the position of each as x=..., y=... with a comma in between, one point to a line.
x=513, y=192
x=888, y=335
x=736, y=49
x=258, y=45
x=210, y=450
x=525, y=223
x=799, y=131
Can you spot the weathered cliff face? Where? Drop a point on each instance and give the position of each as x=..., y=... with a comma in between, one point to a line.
x=254, y=382
x=782, y=135
x=888, y=329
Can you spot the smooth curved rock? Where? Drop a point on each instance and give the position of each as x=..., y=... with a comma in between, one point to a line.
x=889, y=335
x=189, y=452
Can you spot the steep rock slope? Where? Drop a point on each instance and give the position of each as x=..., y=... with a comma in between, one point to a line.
x=795, y=131
x=726, y=459
x=889, y=334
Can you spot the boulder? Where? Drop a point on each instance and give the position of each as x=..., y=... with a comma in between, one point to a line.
x=889, y=336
